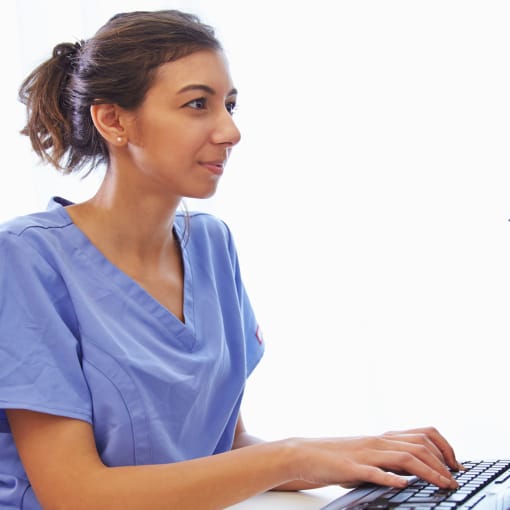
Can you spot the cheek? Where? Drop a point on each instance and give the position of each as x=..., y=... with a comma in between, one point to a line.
x=136, y=134
x=183, y=140
x=146, y=127
x=152, y=139
x=168, y=137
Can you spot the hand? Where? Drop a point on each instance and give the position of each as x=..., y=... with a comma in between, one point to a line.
x=383, y=459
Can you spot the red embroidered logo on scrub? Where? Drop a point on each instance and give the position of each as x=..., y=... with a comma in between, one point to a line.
x=259, y=335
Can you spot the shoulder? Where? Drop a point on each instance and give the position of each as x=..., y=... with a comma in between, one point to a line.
x=32, y=237
x=200, y=226
x=205, y=236
x=33, y=223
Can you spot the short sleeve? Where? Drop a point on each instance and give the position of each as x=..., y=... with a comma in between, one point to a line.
x=252, y=330
x=40, y=366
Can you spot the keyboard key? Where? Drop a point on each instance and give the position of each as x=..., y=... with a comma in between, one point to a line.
x=402, y=496
x=503, y=478
x=459, y=496
x=472, y=504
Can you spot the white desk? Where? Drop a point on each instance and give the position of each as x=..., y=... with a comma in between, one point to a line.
x=304, y=500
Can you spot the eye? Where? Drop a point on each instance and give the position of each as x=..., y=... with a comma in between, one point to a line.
x=198, y=104
x=231, y=107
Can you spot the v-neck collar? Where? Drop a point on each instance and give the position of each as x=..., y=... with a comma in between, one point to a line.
x=184, y=331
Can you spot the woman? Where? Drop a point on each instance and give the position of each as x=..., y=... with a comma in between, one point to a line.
x=126, y=335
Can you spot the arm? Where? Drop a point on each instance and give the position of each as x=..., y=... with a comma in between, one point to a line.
x=61, y=452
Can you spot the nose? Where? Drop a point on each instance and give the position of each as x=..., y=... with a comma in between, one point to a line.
x=226, y=131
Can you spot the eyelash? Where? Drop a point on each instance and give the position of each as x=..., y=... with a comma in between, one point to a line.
x=231, y=106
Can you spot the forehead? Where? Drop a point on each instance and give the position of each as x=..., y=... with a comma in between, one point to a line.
x=206, y=67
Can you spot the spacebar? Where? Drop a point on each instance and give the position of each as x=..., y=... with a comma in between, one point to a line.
x=454, y=497
x=426, y=499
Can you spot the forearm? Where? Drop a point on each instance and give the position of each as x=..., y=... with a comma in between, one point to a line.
x=208, y=483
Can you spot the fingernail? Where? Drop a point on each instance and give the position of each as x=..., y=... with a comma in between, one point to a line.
x=403, y=483
x=449, y=482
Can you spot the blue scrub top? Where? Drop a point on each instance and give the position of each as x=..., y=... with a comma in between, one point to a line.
x=79, y=338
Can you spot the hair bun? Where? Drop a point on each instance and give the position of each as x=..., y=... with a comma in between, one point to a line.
x=68, y=53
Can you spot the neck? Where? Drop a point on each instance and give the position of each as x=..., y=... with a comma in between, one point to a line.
x=124, y=222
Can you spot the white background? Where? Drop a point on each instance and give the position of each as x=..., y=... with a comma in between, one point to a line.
x=369, y=198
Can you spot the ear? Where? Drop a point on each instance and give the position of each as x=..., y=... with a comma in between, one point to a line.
x=110, y=123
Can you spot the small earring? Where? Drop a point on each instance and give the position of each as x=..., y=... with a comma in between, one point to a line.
x=119, y=139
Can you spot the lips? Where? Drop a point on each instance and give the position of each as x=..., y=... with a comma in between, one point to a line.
x=216, y=167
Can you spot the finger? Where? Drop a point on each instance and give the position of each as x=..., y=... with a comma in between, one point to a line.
x=398, y=461
x=421, y=438
x=442, y=444
x=420, y=451
x=418, y=438
x=376, y=475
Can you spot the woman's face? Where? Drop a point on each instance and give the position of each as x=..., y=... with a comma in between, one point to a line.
x=182, y=134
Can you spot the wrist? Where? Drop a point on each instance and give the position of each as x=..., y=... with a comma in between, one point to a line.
x=296, y=460
x=292, y=458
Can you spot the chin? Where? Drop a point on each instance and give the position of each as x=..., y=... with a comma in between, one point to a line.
x=205, y=193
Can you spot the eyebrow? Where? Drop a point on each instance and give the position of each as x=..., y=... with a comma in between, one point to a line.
x=204, y=88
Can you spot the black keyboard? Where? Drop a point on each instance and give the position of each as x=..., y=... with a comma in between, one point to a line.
x=424, y=496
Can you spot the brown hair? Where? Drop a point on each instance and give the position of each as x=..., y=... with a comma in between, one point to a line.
x=117, y=65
